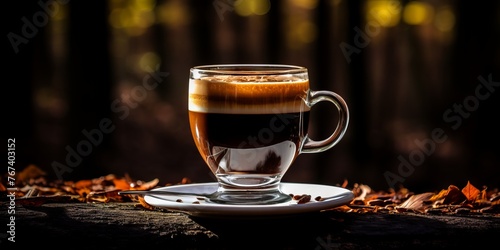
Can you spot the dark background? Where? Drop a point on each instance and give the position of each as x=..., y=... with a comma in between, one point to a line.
x=412, y=68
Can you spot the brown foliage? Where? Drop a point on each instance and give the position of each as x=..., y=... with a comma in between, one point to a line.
x=453, y=200
x=34, y=189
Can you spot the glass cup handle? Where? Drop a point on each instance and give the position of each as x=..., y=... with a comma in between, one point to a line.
x=312, y=146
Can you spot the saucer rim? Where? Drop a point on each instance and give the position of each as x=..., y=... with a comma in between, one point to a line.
x=341, y=197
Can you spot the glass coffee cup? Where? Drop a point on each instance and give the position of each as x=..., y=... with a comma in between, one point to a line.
x=250, y=122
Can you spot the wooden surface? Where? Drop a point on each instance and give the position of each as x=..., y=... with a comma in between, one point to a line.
x=126, y=225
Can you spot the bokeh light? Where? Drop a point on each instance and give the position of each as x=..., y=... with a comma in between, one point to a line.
x=132, y=16
x=306, y=4
x=252, y=7
x=417, y=13
x=148, y=61
x=173, y=14
x=445, y=19
x=385, y=13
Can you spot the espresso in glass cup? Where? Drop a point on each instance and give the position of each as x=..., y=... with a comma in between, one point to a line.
x=250, y=122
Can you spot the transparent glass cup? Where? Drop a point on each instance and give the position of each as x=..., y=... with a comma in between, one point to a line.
x=250, y=122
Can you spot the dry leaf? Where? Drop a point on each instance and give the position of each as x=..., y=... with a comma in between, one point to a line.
x=470, y=192
x=121, y=184
x=439, y=196
x=362, y=191
x=185, y=180
x=146, y=185
x=416, y=202
x=83, y=184
x=454, y=196
x=344, y=184
x=104, y=196
x=145, y=204
x=484, y=194
x=36, y=190
x=30, y=172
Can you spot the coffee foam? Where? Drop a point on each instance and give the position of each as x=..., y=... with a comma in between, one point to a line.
x=248, y=94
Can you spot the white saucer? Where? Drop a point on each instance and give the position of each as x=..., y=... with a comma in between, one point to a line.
x=333, y=197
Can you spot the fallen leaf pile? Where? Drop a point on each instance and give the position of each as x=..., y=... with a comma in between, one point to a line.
x=453, y=200
x=32, y=188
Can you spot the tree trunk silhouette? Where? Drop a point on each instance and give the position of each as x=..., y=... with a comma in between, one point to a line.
x=476, y=56
x=18, y=89
x=89, y=87
x=358, y=89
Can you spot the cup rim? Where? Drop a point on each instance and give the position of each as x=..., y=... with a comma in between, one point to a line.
x=249, y=69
